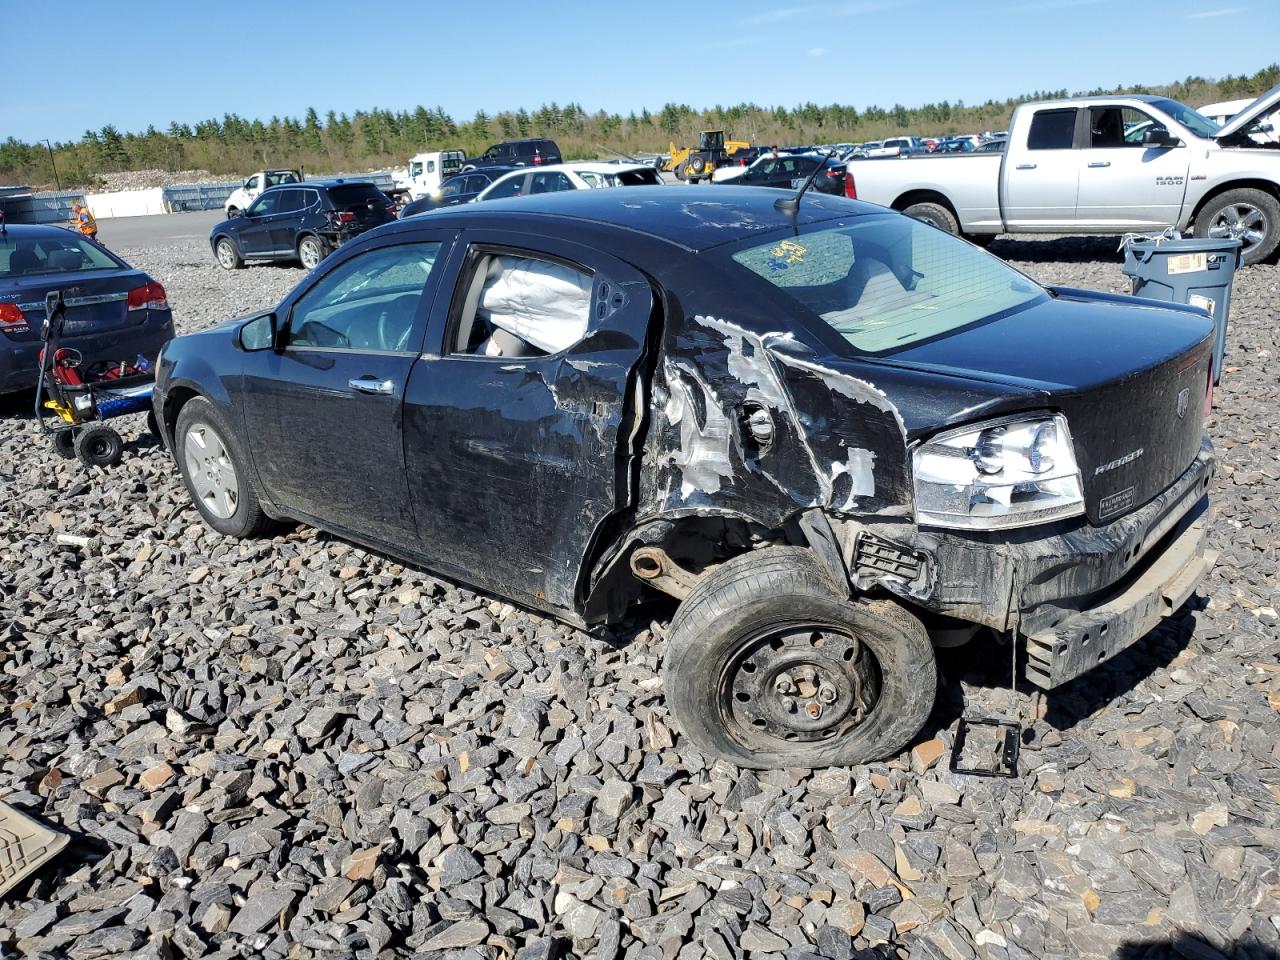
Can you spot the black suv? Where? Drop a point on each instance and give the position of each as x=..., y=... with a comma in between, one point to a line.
x=516, y=153
x=302, y=221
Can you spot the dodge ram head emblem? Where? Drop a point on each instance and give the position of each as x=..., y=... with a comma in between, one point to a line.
x=1184, y=401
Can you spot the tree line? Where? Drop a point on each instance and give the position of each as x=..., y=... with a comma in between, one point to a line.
x=234, y=145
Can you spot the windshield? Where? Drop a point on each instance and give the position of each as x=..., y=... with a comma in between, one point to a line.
x=1198, y=124
x=886, y=282
x=49, y=255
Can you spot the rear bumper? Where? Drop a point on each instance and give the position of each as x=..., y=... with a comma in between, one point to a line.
x=1094, y=635
x=20, y=360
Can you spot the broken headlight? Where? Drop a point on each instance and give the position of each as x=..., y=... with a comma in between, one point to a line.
x=1010, y=474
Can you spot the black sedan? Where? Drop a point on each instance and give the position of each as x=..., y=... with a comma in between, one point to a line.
x=460, y=189
x=300, y=222
x=789, y=171
x=114, y=312
x=822, y=430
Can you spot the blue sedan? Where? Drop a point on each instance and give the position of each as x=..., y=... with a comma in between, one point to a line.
x=114, y=311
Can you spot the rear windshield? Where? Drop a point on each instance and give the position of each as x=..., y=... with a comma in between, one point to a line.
x=355, y=195
x=50, y=255
x=884, y=283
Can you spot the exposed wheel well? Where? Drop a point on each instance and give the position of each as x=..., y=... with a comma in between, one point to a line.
x=924, y=196
x=696, y=543
x=1266, y=186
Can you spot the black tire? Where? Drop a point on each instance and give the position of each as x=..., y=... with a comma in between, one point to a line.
x=982, y=240
x=153, y=425
x=227, y=255
x=1220, y=213
x=934, y=214
x=738, y=612
x=679, y=171
x=243, y=513
x=311, y=250
x=98, y=445
x=64, y=444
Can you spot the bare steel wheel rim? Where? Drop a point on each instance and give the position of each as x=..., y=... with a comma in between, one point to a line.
x=310, y=253
x=226, y=256
x=798, y=684
x=213, y=475
x=1240, y=221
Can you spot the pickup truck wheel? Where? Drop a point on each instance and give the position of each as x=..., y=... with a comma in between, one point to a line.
x=1249, y=215
x=214, y=472
x=768, y=666
x=228, y=256
x=934, y=214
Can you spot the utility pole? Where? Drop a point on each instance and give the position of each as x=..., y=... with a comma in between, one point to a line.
x=54, y=165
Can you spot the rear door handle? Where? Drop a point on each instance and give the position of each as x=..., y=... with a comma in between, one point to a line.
x=1100, y=163
x=371, y=385
x=1026, y=166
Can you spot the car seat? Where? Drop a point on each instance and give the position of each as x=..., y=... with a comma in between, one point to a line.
x=24, y=259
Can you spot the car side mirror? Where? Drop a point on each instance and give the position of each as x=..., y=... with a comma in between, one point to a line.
x=1159, y=137
x=260, y=333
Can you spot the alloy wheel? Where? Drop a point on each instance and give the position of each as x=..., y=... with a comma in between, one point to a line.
x=1240, y=221
x=211, y=471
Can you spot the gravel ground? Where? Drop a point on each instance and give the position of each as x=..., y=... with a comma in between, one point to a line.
x=297, y=748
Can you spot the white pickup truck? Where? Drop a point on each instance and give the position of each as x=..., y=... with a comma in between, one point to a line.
x=248, y=191
x=426, y=171
x=1098, y=165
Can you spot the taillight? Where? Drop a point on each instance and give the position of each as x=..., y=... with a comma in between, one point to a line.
x=537, y=159
x=345, y=216
x=850, y=189
x=742, y=162
x=9, y=313
x=150, y=297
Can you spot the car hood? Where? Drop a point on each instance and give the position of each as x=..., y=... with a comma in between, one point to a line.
x=1265, y=104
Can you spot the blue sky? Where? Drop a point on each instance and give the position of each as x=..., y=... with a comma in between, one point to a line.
x=152, y=62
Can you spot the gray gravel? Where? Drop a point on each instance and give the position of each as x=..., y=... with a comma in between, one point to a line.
x=297, y=748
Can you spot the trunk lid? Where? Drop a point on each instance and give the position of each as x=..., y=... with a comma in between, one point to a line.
x=1130, y=376
x=365, y=202
x=1265, y=104
x=96, y=302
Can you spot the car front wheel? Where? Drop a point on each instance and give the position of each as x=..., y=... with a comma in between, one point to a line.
x=214, y=472
x=768, y=665
x=228, y=256
x=1249, y=215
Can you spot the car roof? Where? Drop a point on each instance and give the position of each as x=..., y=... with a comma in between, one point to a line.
x=336, y=182
x=37, y=231
x=1094, y=101
x=696, y=219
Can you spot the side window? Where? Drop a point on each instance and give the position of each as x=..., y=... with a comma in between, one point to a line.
x=451, y=188
x=366, y=303
x=511, y=187
x=1052, y=130
x=1134, y=125
x=290, y=201
x=552, y=182
x=266, y=203
x=431, y=166
x=251, y=183
x=310, y=198
x=590, y=179
x=476, y=183
x=520, y=305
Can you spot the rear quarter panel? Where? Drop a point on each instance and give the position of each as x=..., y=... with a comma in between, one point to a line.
x=970, y=183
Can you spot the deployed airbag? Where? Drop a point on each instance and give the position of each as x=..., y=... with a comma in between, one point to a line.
x=545, y=304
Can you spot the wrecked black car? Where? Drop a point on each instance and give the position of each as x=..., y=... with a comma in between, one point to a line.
x=837, y=436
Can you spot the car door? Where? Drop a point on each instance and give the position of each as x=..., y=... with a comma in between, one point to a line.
x=517, y=457
x=284, y=220
x=324, y=409
x=1124, y=183
x=254, y=234
x=1041, y=178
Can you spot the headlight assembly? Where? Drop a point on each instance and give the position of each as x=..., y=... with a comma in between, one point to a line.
x=1007, y=474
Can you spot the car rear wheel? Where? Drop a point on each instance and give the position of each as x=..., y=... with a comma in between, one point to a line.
x=214, y=472
x=934, y=214
x=98, y=445
x=228, y=256
x=1248, y=215
x=767, y=665
x=310, y=251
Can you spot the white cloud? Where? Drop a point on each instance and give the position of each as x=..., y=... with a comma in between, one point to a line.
x=818, y=52
x=1206, y=14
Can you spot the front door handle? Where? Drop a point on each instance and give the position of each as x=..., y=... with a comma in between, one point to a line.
x=1100, y=163
x=1026, y=166
x=371, y=385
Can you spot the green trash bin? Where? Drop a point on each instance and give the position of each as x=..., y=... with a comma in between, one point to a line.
x=1189, y=270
